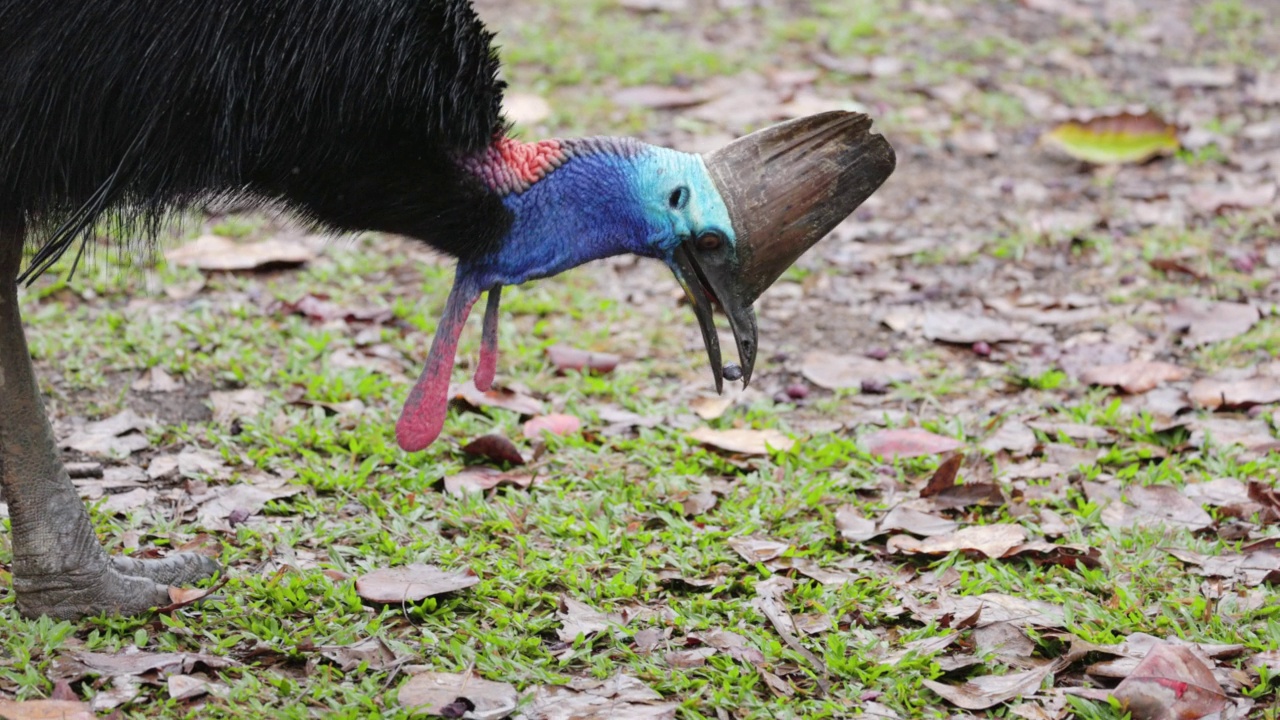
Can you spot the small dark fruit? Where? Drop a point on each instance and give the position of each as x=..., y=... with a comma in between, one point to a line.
x=732, y=371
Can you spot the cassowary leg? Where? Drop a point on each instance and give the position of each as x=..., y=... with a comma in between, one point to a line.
x=424, y=411
x=489, y=342
x=59, y=568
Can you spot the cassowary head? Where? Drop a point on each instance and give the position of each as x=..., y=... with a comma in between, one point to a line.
x=727, y=224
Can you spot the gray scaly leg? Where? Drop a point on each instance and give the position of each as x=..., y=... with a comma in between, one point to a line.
x=59, y=568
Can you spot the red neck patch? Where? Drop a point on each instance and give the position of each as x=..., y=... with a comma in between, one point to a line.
x=509, y=165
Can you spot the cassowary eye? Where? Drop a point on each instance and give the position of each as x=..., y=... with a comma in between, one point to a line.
x=710, y=240
x=679, y=198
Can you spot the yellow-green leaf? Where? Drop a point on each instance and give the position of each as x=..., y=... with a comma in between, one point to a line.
x=1114, y=139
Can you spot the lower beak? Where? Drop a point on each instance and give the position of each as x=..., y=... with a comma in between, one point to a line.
x=742, y=317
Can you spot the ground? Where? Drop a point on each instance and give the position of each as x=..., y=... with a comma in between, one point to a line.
x=1033, y=407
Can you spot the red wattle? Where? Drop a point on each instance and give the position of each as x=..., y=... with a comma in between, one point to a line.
x=489, y=342
x=424, y=411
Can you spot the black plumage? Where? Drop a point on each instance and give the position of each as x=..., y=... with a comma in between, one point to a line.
x=348, y=114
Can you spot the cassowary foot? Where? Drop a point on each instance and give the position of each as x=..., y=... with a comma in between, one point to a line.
x=120, y=586
x=176, y=569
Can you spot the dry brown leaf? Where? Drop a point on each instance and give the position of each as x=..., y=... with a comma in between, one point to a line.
x=566, y=358
x=246, y=498
x=660, y=97
x=236, y=404
x=525, y=108
x=744, y=441
x=991, y=608
x=619, y=698
x=372, y=652
x=321, y=309
x=1214, y=393
x=1212, y=200
x=45, y=710
x=216, y=253
x=987, y=691
x=853, y=526
x=839, y=372
x=1013, y=437
x=578, y=618
x=916, y=522
x=115, y=437
x=1171, y=683
x=132, y=661
x=711, y=407
x=698, y=503
x=496, y=448
x=1209, y=322
x=944, y=477
x=994, y=541
x=908, y=442
x=731, y=643
x=967, y=329
x=429, y=693
x=500, y=398
x=1156, y=505
x=156, y=380
x=411, y=583
x=480, y=479
x=186, y=687
x=758, y=549
x=1201, y=77
x=685, y=659
x=553, y=424
x=1137, y=376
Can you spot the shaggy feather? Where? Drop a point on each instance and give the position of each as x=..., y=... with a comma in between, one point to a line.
x=349, y=113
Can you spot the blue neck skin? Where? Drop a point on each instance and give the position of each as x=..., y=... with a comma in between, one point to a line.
x=598, y=205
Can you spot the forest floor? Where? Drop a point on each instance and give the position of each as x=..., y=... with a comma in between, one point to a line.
x=1011, y=449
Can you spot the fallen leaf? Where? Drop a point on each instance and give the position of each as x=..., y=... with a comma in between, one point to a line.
x=578, y=618
x=480, y=479
x=1137, y=376
x=1209, y=322
x=1201, y=77
x=619, y=698
x=1156, y=505
x=132, y=661
x=496, y=448
x=124, y=688
x=321, y=309
x=45, y=710
x=685, y=659
x=411, y=583
x=944, y=476
x=115, y=437
x=838, y=372
x=249, y=498
x=744, y=441
x=429, y=693
x=196, y=463
x=698, y=503
x=987, y=691
x=1213, y=393
x=554, y=424
x=1254, y=434
x=977, y=143
x=967, y=329
x=908, y=442
x=1170, y=683
x=186, y=687
x=853, y=526
x=566, y=358
x=1114, y=139
x=500, y=398
x=156, y=380
x=992, y=608
x=993, y=541
x=661, y=97
x=1013, y=437
x=236, y=404
x=916, y=522
x=1213, y=199
x=217, y=253
x=710, y=407
x=731, y=643
x=756, y=550
x=525, y=108
x=1169, y=266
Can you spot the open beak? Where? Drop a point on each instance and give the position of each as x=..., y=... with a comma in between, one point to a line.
x=785, y=187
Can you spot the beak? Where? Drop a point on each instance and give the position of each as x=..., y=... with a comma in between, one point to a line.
x=702, y=293
x=785, y=187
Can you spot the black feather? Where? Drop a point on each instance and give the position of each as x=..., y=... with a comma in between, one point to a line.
x=349, y=113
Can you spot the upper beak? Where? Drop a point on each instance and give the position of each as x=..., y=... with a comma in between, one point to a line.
x=785, y=187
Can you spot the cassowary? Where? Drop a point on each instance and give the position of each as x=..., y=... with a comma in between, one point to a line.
x=381, y=115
